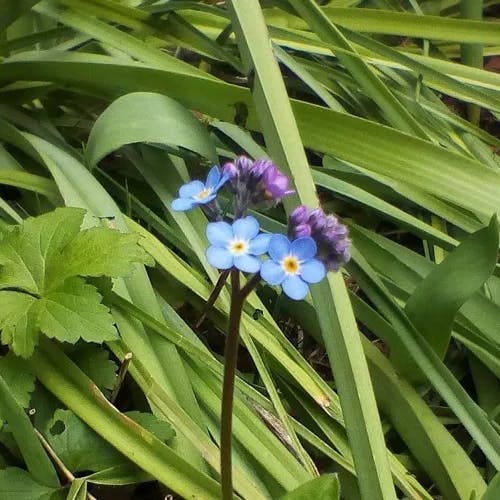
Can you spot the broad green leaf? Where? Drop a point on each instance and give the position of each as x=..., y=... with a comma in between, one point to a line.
x=18, y=322
x=17, y=484
x=78, y=446
x=325, y=487
x=95, y=363
x=34, y=246
x=74, y=311
x=18, y=377
x=147, y=117
x=97, y=252
x=434, y=304
x=44, y=256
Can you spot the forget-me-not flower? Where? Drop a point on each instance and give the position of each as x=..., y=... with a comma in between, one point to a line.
x=196, y=193
x=236, y=245
x=292, y=265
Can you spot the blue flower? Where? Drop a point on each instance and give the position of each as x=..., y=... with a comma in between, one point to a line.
x=236, y=245
x=196, y=193
x=292, y=265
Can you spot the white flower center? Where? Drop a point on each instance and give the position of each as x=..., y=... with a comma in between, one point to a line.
x=291, y=265
x=238, y=246
x=203, y=194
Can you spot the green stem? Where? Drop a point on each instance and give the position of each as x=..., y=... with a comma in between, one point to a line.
x=238, y=296
x=230, y=360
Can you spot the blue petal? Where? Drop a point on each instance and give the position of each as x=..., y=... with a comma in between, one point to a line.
x=246, y=228
x=213, y=177
x=191, y=189
x=224, y=178
x=247, y=263
x=312, y=271
x=295, y=288
x=219, y=233
x=182, y=204
x=279, y=247
x=207, y=199
x=221, y=258
x=259, y=244
x=304, y=248
x=272, y=272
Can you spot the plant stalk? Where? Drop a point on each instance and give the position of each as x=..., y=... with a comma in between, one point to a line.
x=238, y=296
x=230, y=361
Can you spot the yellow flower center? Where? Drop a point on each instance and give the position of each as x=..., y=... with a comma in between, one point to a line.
x=238, y=247
x=291, y=264
x=203, y=194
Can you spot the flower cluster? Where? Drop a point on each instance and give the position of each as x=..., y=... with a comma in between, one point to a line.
x=254, y=183
x=331, y=236
x=316, y=242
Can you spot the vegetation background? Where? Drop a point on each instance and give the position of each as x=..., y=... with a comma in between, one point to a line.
x=385, y=109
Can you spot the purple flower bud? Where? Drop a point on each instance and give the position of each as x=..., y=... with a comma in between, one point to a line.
x=243, y=164
x=299, y=216
x=231, y=170
x=256, y=182
x=317, y=219
x=260, y=167
x=276, y=183
x=330, y=235
x=302, y=230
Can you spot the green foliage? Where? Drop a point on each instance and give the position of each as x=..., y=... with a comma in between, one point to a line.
x=18, y=377
x=17, y=484
x=322, y=488
x=43, y=262
x=81, y=449
x=383, y=108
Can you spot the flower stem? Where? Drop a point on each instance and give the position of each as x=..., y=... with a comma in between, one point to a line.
x=213, y=296
x=230, y=360
x=238, y=296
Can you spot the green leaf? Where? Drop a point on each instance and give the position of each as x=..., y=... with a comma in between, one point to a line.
x=19, y=378
x=325, y=487
x=10, y=10
x=34, y=246
x=18, y=322
x=78, y=490
x=434, y=304
x=78, y=446
x=75, y=311
x=126, y=473
x=147, y=117
x=44, y=256
x=160, y=428
x=35, y=457
x=95, y=363
x=493, y=491
x=17, y=484
x=96, y=252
